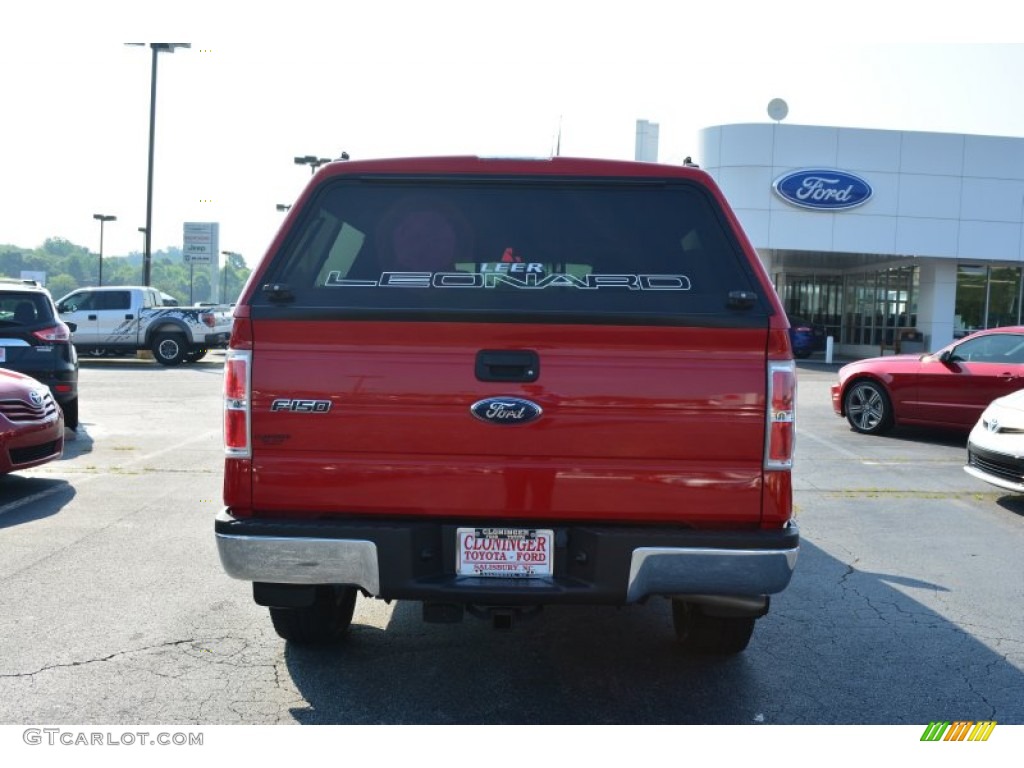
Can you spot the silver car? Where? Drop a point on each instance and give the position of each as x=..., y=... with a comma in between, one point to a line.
x=995, y=448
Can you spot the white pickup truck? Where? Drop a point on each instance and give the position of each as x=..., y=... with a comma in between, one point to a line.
x=125, y=318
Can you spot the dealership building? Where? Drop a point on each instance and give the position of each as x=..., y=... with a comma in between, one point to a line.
x=890, y=240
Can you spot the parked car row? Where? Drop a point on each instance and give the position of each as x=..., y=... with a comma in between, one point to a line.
x=38, y=377
x=41, y=339
x=36, y=342
x=975, y=385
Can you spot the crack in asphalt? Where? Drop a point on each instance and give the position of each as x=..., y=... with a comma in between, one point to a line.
x=203, y=654
x=100, y=660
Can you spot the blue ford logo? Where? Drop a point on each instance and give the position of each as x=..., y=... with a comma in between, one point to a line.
x=506, y=410
x=822, y=189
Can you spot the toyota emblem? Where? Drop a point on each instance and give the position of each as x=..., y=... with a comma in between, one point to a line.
x=35, y=397
x=993, y=426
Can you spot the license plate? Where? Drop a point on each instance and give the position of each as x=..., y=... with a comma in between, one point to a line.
x=505, y=552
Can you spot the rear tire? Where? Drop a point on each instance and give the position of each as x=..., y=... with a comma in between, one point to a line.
x=70, y=409
x=699, y=633
x=169, y=349
x=323, y=623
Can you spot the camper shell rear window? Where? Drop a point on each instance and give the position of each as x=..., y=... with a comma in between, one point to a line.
x=545, y=249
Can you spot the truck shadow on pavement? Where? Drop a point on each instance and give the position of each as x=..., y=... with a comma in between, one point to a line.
x=840, y=646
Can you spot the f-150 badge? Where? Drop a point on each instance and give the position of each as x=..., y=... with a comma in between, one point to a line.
x=506, y=410
x=301, y=406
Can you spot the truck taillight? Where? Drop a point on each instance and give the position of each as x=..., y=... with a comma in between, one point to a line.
x=781, y=428
x=208, y=319
x=237, y=392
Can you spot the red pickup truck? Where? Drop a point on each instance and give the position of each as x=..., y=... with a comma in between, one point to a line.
x=491, y=385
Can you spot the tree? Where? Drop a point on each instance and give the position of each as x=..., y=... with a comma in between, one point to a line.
x=58, y=246
x=11, y=263
x=201, y=287
x=77, y=269
x=68, y=266
x=61, y=285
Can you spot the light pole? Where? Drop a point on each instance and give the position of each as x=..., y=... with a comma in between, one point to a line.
x=312, y=161
x=157, y=48
x=315, y=162
x=102, y=219
x=224, y=291
x=143, y=231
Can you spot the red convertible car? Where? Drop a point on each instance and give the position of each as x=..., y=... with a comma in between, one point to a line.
x=947, y=389
x=31, y=423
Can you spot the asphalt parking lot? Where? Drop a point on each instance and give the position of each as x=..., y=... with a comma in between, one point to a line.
x=905, y=607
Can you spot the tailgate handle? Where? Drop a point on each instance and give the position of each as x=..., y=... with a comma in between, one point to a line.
x=507, y=365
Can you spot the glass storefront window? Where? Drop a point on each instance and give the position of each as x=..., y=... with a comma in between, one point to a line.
x=879, y=303
x=865, y=308
x=816, y=299
x=1003, y=297
x=986, y=297
x=971, y=282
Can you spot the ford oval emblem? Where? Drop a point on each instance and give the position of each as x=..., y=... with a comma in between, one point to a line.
x=506, y=410
x=823, y=190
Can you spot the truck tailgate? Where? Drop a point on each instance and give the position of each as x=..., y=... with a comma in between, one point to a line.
x=665, y=422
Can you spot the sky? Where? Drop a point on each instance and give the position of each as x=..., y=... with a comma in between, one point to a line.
x=391, y=78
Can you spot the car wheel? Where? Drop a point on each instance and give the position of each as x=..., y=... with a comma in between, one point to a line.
x=169, y=348
x=324, y=622
x=868, y=408
x=195, y=355
x=699, y=633
x=70, y=409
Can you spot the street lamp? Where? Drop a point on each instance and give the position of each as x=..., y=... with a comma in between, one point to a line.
x=312, y=161
x=224, y=291
x=157, y=48
x=102, y=219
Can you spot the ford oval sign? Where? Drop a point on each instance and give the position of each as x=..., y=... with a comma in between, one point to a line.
x=506, y=410
x=823, y=190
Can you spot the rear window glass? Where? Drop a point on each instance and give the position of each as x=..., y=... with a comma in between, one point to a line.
x=24, y=308
x=513, y=247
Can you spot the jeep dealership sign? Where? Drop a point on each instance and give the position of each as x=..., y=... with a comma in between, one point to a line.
x=201, y=242
x=823, y=190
